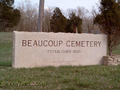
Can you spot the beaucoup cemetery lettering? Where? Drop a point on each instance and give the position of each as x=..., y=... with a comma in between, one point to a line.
x=51, y=43
x=35, y=49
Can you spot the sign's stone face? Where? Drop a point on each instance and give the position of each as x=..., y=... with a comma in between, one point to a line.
x=33, y=49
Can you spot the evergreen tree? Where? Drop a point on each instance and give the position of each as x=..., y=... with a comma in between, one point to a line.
x=58, y=21
x=109, y=22
x=9, y=16
x=73, y=23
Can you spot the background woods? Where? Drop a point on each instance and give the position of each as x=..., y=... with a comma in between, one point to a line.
x=27, y=17
x=24, y=17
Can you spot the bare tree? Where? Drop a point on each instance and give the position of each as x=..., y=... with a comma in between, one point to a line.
x=79, y=11
x=88, y=25
x=82, y=12
x=88, y=22
x=69, y=11
x=29, y=15
x=47, y=16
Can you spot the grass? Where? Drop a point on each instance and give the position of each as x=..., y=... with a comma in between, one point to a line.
x=117, y=51
x=54, y=78
x=61, y=78
x=5, y=48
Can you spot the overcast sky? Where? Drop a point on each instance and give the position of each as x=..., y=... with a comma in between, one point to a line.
x=65, y=4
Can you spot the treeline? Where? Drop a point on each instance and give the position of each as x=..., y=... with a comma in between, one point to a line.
x=55, y=19
x=25, y=18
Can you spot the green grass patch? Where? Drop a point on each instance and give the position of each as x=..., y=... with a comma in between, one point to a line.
x=61, y=78
x=6, y=48
x=117, y=51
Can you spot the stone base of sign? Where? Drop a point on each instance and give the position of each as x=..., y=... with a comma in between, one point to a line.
x=38, y=49
x=111, y=60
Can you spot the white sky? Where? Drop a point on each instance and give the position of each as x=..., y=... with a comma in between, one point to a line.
x=65, y=4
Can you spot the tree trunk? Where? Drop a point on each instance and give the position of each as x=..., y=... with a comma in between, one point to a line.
x=109, y=45
x=110, y=50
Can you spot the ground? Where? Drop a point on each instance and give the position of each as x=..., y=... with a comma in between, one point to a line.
x=54, y=78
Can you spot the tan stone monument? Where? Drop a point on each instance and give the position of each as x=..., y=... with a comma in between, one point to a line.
x=35, y=49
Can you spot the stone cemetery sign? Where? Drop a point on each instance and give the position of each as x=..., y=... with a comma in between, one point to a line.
x=34, y=49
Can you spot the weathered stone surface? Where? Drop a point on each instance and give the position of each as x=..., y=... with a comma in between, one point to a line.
x=33, y=49
x=118, y=60
x=111, y=60
x=115, y=60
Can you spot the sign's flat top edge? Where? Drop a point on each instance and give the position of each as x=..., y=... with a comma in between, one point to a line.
x=57, y=33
